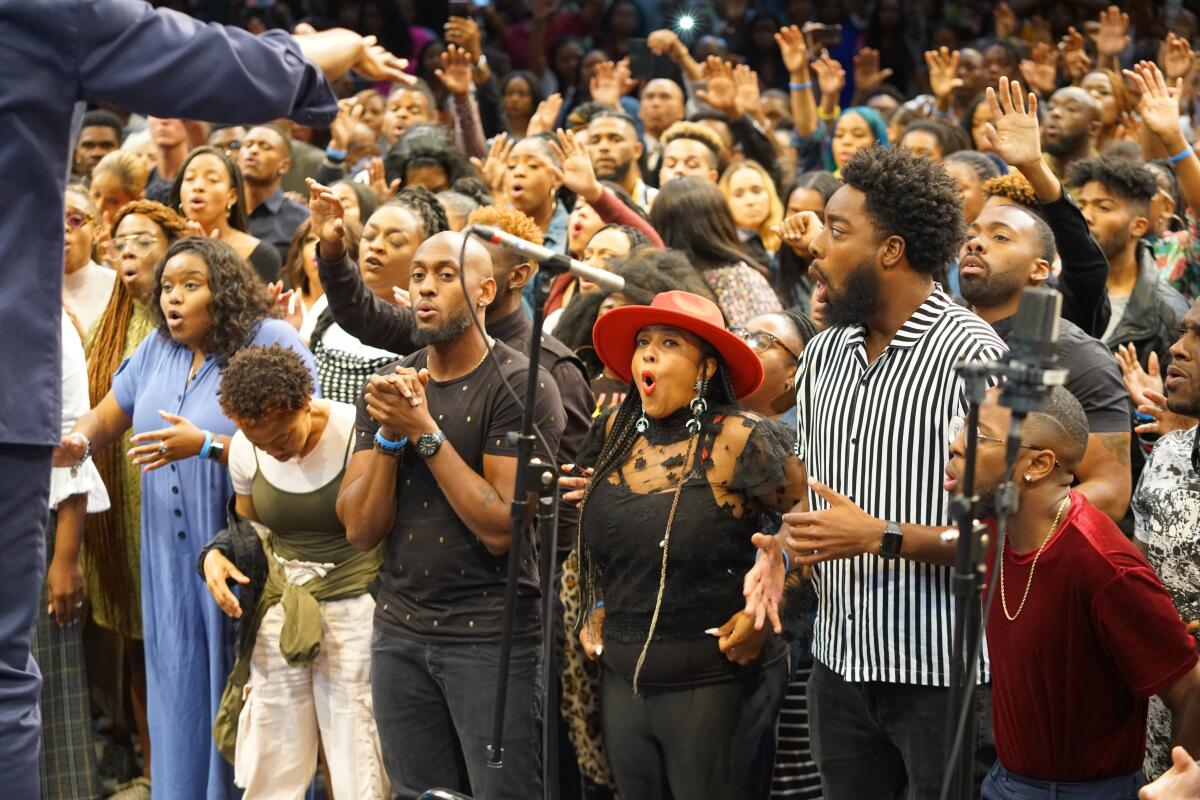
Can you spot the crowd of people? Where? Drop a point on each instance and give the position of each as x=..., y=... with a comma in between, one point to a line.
x=279, y=520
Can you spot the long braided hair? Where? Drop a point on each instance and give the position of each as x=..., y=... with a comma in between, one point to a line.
x=721, y=398
x=106, y=550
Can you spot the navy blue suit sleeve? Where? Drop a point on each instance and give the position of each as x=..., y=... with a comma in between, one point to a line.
x=167, y=64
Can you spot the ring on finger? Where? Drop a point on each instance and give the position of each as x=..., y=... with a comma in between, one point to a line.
x=162, y=449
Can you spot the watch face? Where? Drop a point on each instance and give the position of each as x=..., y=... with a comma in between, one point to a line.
x=428, y=443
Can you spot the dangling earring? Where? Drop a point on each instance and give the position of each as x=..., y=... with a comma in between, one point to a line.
x=642, y=424
x=698, y=406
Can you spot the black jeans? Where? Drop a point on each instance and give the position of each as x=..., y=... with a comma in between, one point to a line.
x=433, y=707
x=25, y=478
x=887, y=740
x=712, y=742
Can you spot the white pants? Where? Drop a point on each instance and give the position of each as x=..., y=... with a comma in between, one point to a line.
x=287, y=706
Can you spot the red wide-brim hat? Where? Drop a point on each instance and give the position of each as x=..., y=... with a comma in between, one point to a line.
x=615, y=336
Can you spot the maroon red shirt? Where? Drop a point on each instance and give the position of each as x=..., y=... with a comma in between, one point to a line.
x=1097, y=637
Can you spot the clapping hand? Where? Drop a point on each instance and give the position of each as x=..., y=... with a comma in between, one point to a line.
x=1014, y=136
x=397, y=403
x=576, y=172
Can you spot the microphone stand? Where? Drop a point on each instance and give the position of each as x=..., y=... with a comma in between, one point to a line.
x=533, y=477
x=966, y=582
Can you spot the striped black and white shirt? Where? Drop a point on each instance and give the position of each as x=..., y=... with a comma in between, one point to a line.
x=879, y=434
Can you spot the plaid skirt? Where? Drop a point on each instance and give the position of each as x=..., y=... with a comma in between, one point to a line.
x=67, y=762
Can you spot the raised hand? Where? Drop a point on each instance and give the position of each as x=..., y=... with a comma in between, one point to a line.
x=794, y=52
x=377, y=64
x=1112, y=37
x=1040, y=70
x=576, y=172
x=721, y=93
x=379, y=183
x=1004, y=21
x=745, y=81
x=664, y=42
x=943, y=72
x=1163, y=420
x=867, y=74
x=606, y=85
x=326, y=214
x=1014, y=136
x=218, y=571
x=464, y=32
x=1137, y=380
x=492, y=169
x=544, y=116
x=342, y=129
x=1159, y=102
x=1076, y=61
x=455, y=73
x=181, y=440
x=1176, y=57
x=831, y=79
x=799, y=230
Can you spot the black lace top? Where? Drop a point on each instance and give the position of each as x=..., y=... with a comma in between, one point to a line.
x=741, y=466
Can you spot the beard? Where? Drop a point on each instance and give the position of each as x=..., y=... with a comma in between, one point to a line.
x=859, y=298
x=989, y=289
x=1066, y=144
x=1113, y=243
x=618, y=174
x=455, y=326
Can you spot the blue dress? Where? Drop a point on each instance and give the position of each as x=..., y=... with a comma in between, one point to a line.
x=189, y=640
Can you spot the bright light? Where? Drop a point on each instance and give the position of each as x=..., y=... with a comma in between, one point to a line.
x=686, y=23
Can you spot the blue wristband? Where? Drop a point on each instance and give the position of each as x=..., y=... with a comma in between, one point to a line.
x=208, y=440
x=598, y=605
x=787, y=561
x=336, y=155
x=1187, y=151
x=800, y=87
x=941, y=114
x=388, y=444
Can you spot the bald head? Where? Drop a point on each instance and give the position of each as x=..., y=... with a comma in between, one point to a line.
x=443, y=314
x=662, y=105
x=1074, y=94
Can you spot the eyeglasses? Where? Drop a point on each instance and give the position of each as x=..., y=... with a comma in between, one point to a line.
x=77, y=219
x=137, y=242
x=762, y=341
x=959, y=424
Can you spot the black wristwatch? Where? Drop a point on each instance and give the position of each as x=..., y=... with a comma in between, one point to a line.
x=893, y=538
x=216, y=449
x=428, y=443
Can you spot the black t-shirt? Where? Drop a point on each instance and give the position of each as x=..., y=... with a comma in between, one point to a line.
x=438, y=581
x=1093, y=376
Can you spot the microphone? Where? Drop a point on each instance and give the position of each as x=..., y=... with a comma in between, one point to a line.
x=1031, y=367
x=548, y=259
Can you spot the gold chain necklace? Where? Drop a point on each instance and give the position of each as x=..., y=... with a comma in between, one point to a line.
x=662, y=576
x=1003, y=595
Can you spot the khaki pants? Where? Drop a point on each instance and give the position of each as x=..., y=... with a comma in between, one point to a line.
x=287, y=708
